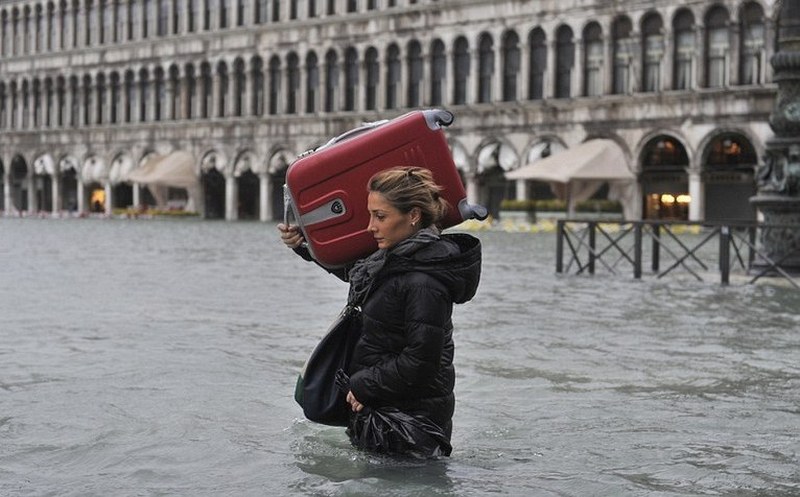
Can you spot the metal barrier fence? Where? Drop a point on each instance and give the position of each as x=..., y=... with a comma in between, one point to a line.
x=614, y=245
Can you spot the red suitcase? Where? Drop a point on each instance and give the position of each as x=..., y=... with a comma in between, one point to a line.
x=326, y=190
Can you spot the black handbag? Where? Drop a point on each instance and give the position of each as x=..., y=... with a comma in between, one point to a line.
x=316, y=389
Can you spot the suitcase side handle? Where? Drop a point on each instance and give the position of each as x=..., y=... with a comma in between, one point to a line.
x=436, y=118
x=472, y=211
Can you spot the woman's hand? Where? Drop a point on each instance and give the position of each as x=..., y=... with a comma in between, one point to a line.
x=291, y=236
x=355, y=405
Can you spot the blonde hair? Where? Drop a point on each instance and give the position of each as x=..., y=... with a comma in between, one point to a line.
x=408, y=187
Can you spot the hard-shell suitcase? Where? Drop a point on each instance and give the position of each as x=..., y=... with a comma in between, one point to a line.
x=326, y=189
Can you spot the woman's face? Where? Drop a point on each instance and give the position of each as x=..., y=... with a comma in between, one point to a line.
x=387, y=224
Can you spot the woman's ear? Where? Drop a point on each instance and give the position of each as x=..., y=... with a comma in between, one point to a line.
x=416, y=216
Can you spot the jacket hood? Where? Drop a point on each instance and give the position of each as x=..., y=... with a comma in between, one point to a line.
x=454, y=260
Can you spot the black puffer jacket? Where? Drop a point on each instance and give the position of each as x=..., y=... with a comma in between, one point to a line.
x=405, y=355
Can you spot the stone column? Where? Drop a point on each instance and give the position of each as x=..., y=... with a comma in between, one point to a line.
x=265, y=187
x=109, y=197
x=231, y=198
x=697, y=194
x=734, y=57
x=81, y=195
x=698, y=67
x=667, y=61
x=549, y=75
x=778, y=197
x=577, y=74
x=55, y=189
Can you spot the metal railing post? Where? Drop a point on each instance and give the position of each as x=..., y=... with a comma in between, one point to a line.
x=656, y=247
x=592, y=246
x=560, y=246
x=637, y=250
x=725, y=253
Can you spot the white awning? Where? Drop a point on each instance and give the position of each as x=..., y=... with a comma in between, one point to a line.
x=598, y=159
x=174, y=170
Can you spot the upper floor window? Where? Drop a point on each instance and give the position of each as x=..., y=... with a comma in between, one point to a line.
x=461, y=68
x=485, y=67
x=653, y=52
x=683, y=72
x=751, y=64
x=372, y=68
x=717, y=47
x=537, y=44
x=593, y=60
x=623, y=55
x=565, y=61
x=438, y=72
x=511, y=66
x=392, y=76
x=414, y=74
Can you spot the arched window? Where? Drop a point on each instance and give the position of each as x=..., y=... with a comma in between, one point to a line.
x=276, y=10
x=373, y=77
x=729, y=177
x=130, y=96
x=28, y=33
x=292, y=82
x=665, y=184
x=192, y=8
x=51, y=22
x=206, y=23
x=653, y=53
x=331, y=10
x=623, y=55
x=593, y=60
x=392, y=75
x=223, y=14
x=331, y=80
x=511, y=66
x=752, y=44
x=40, y=31
x=352, y=5
x=175, y=88
x=133, y=20
x=177, y=12
x=293, y=8
x=438, y=72
x=257, y=66
x=106, y=22
x=37, y=102
x=683, y=72
x=312, y=8
x=87, y=100
x=49, y=103
x=116, y=99
x=119, y=21
x=485, y=67
x=274, y=83
x=414, y=89
x=565, y=60
x=147, y=6
x=160, y=95
x=222, y=96
x=240, y=13
x=13, y=105
x=350, y=78
x=312, y=82
x=717, y=47
x=191, y=91
x=537, y=44
x=3, y=109
x=461, y=68
x=206, y=91
x=89, y=22
x=260, y=11
x=239, y=79
x=61, y=101
x=100, y=107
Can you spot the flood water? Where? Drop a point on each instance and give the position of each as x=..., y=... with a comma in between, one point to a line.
x=150, y=358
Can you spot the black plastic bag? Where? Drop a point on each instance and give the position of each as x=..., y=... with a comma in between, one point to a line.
x=388, y=430
x=316, y=390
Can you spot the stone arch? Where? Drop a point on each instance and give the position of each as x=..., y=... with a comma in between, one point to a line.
x=728, y=161
x=663, y=161
x=248, y=186
x=493, y=158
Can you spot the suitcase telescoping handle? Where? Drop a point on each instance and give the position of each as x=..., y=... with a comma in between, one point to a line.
x=435, y=118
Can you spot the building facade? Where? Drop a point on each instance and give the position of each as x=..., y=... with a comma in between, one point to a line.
x=91, y=90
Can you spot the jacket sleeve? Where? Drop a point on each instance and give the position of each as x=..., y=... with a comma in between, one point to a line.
x=427, y=314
